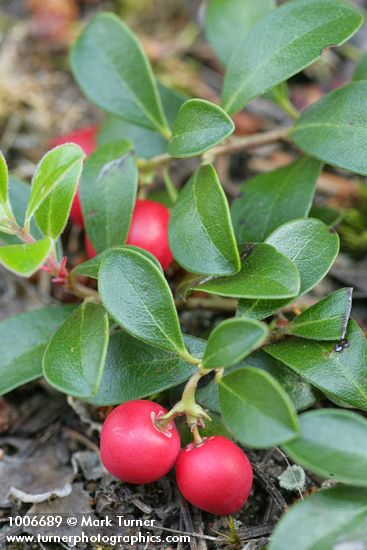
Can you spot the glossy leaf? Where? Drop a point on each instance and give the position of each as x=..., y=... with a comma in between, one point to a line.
x=199, y=126
x=311, y=245
x=231, y=341
x=291, y=37
x=134, y=370
x=147, y=143
x=341, y=375
x=265, y=273
x=52, y=214
x=335, y=128
x=111, y=68
x=53, y=170
x=326, y=320
x=23, y=339
x=25, y=259
x=301, y=393
x=136, y=294
x=271, y=199
x=90, y=268
x=329, y=519
x=332, y=444
x=74, y=359
x=108, y=191
x=200, y=232
x=256, y=409
x=4, y=180
x=227, y=21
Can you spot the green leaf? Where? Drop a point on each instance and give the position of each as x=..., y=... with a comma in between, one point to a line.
x=341, y=375
x=108, y=191
x=265, y=273
x=136, y=294
x=90, y=268
x=324, y=521
x=134, y=370
x=227, y=21
x=74, y=359
x=256, y=409
x=23, y=339
x=54, y=170
x=291, y=37
x=231, y=341
x=113, y=71
x=200, y=234
x=335, y=128
x=300, y=392
x=329, y=216
x=312, y=246
x=332, y=444
x=147, y=143
x=4, y=180
x=25, y=259
x=52, y=214
x=326, y=320
x=19, y=192
x=360, y=71
x=199, y=126
x=269, y=200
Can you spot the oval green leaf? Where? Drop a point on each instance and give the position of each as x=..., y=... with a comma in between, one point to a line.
x=53, y=170
x=25, y=259
x=74, y=359
x=227, y=21
x=291, y=37
x=324, y=521
x=200, y=235
x=231, y=341
x=335, y=128
x=265, y=273
x=326, y=320
x=269, y=200
x=90, y=268
x=52, y=214
x=23, y=340
x=341, y=375
x=136, y=294
x=199, y=126
x=113, y=71
x=332, y=444
x=311, y=245
x=107, y=192
x=256, y=409
x=134, y=370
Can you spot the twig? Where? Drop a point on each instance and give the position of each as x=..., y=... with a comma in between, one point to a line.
x=232, y=145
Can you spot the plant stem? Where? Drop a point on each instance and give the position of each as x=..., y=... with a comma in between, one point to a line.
x=232, y=145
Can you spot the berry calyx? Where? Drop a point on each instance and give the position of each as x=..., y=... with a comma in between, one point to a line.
x=133, y=448
x=86, y=139
x=215, y=476
x=148, y=230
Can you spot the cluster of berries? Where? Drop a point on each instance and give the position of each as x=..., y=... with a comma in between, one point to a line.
x=149, y=224
x=215, y=475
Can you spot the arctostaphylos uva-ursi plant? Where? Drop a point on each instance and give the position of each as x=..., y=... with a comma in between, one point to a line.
x=123, y=342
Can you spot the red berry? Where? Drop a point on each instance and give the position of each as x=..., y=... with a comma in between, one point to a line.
x=86, y=139
x=215, y=476
x=133, y=448
x=148, y=230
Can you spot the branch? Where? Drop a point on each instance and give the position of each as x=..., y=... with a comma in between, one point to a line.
x=232, y=145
